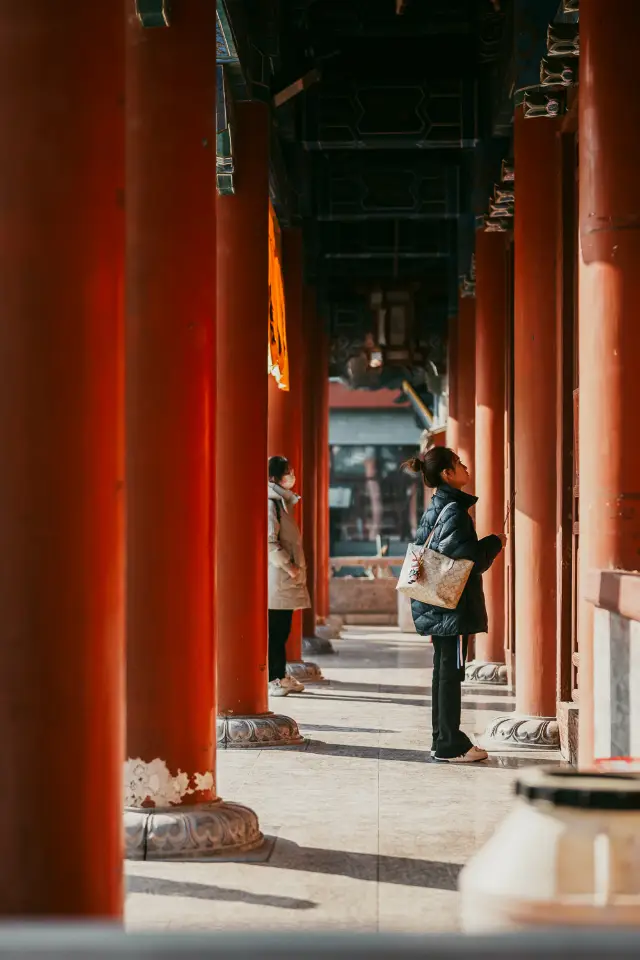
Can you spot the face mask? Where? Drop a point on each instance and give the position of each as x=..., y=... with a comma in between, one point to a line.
x=288, y=482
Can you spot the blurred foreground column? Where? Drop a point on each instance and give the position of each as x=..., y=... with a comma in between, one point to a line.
x=62, y=478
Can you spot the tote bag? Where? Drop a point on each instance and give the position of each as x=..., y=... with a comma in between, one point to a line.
x=432, y=578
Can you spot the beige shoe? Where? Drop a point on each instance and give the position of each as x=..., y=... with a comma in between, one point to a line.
x=278, y=689
x=292, y=685
x=474, y=755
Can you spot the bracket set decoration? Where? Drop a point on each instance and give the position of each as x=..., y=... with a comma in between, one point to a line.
x=502, y=203
x=227, y=70
x=468, y=280
x=224, y=143
x=154, y=13
x=558, y=70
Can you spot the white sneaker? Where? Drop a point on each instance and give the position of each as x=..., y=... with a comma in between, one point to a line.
x=292, y=685
x=278, y=689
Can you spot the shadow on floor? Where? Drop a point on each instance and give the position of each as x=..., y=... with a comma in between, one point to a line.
x=160, y=887
x=467, y=704
x=328, y=696
x=485, y=690
x=497, y=706
x=431, y=874
x=329, y=728
x=364, y=752
x=378, y=688
x=383, y=656
x=495, y=761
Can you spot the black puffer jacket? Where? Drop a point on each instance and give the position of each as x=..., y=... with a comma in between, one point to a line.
x=456, y=537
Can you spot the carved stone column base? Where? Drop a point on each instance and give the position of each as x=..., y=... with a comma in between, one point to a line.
x=258, y=731
x=520, y=731
x=305, y=671
x=215, y=829
x=317, y=646
x=481, y=671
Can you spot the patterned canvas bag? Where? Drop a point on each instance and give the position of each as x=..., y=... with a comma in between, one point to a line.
x=432, y=578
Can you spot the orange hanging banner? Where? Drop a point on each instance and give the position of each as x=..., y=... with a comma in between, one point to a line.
x=278, y=356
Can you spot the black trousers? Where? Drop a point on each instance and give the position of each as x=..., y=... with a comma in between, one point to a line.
x=279, y=630
x=446, y=697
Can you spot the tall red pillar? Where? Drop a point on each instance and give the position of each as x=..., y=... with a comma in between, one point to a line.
x=536, y=159
x=322, y=559
x=309, y=456
x=453, y=419
x=466, y=383
x=62, y=477
x=609, y=331
x=315, y=639
x=491, y=328
x=170, y=436
x=285, y=416
x=244, y=719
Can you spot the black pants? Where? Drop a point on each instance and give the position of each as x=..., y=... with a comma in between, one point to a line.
x=446, y=697
x=279, y=630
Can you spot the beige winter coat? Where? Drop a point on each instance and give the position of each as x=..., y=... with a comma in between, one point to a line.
x=285, y=550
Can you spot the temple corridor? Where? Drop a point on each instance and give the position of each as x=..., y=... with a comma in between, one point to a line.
x=275, y=273
x=363, y=832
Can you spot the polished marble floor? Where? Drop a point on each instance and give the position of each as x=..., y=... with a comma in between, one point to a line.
x=363, y=832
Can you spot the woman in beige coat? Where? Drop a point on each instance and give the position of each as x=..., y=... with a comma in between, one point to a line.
x=287, y=573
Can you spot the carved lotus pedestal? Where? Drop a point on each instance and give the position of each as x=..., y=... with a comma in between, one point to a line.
x=211, y=830
x=521, y=731
x=482, y=671
x=258, y=731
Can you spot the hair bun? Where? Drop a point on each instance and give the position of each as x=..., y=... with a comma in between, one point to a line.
x=413, y=465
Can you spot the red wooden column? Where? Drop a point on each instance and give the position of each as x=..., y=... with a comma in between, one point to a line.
x=242, y=450
x=536, y=159
x=453, y=420
x=285, y=416
x=170, y=435
x=322, y=557
x=282, y=410
x=466, y=384
x=62, y=477
x=609, y=330
x=309, y=455
x=315, y=640
x=491, y=328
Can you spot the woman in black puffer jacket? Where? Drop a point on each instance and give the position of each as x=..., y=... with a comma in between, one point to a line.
x=454, y=536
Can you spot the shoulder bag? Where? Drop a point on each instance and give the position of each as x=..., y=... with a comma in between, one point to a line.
x=430, y=577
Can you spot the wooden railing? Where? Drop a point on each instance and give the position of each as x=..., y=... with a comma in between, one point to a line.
x=374, y=567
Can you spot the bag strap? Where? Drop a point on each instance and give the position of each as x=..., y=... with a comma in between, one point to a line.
x=451, y=503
